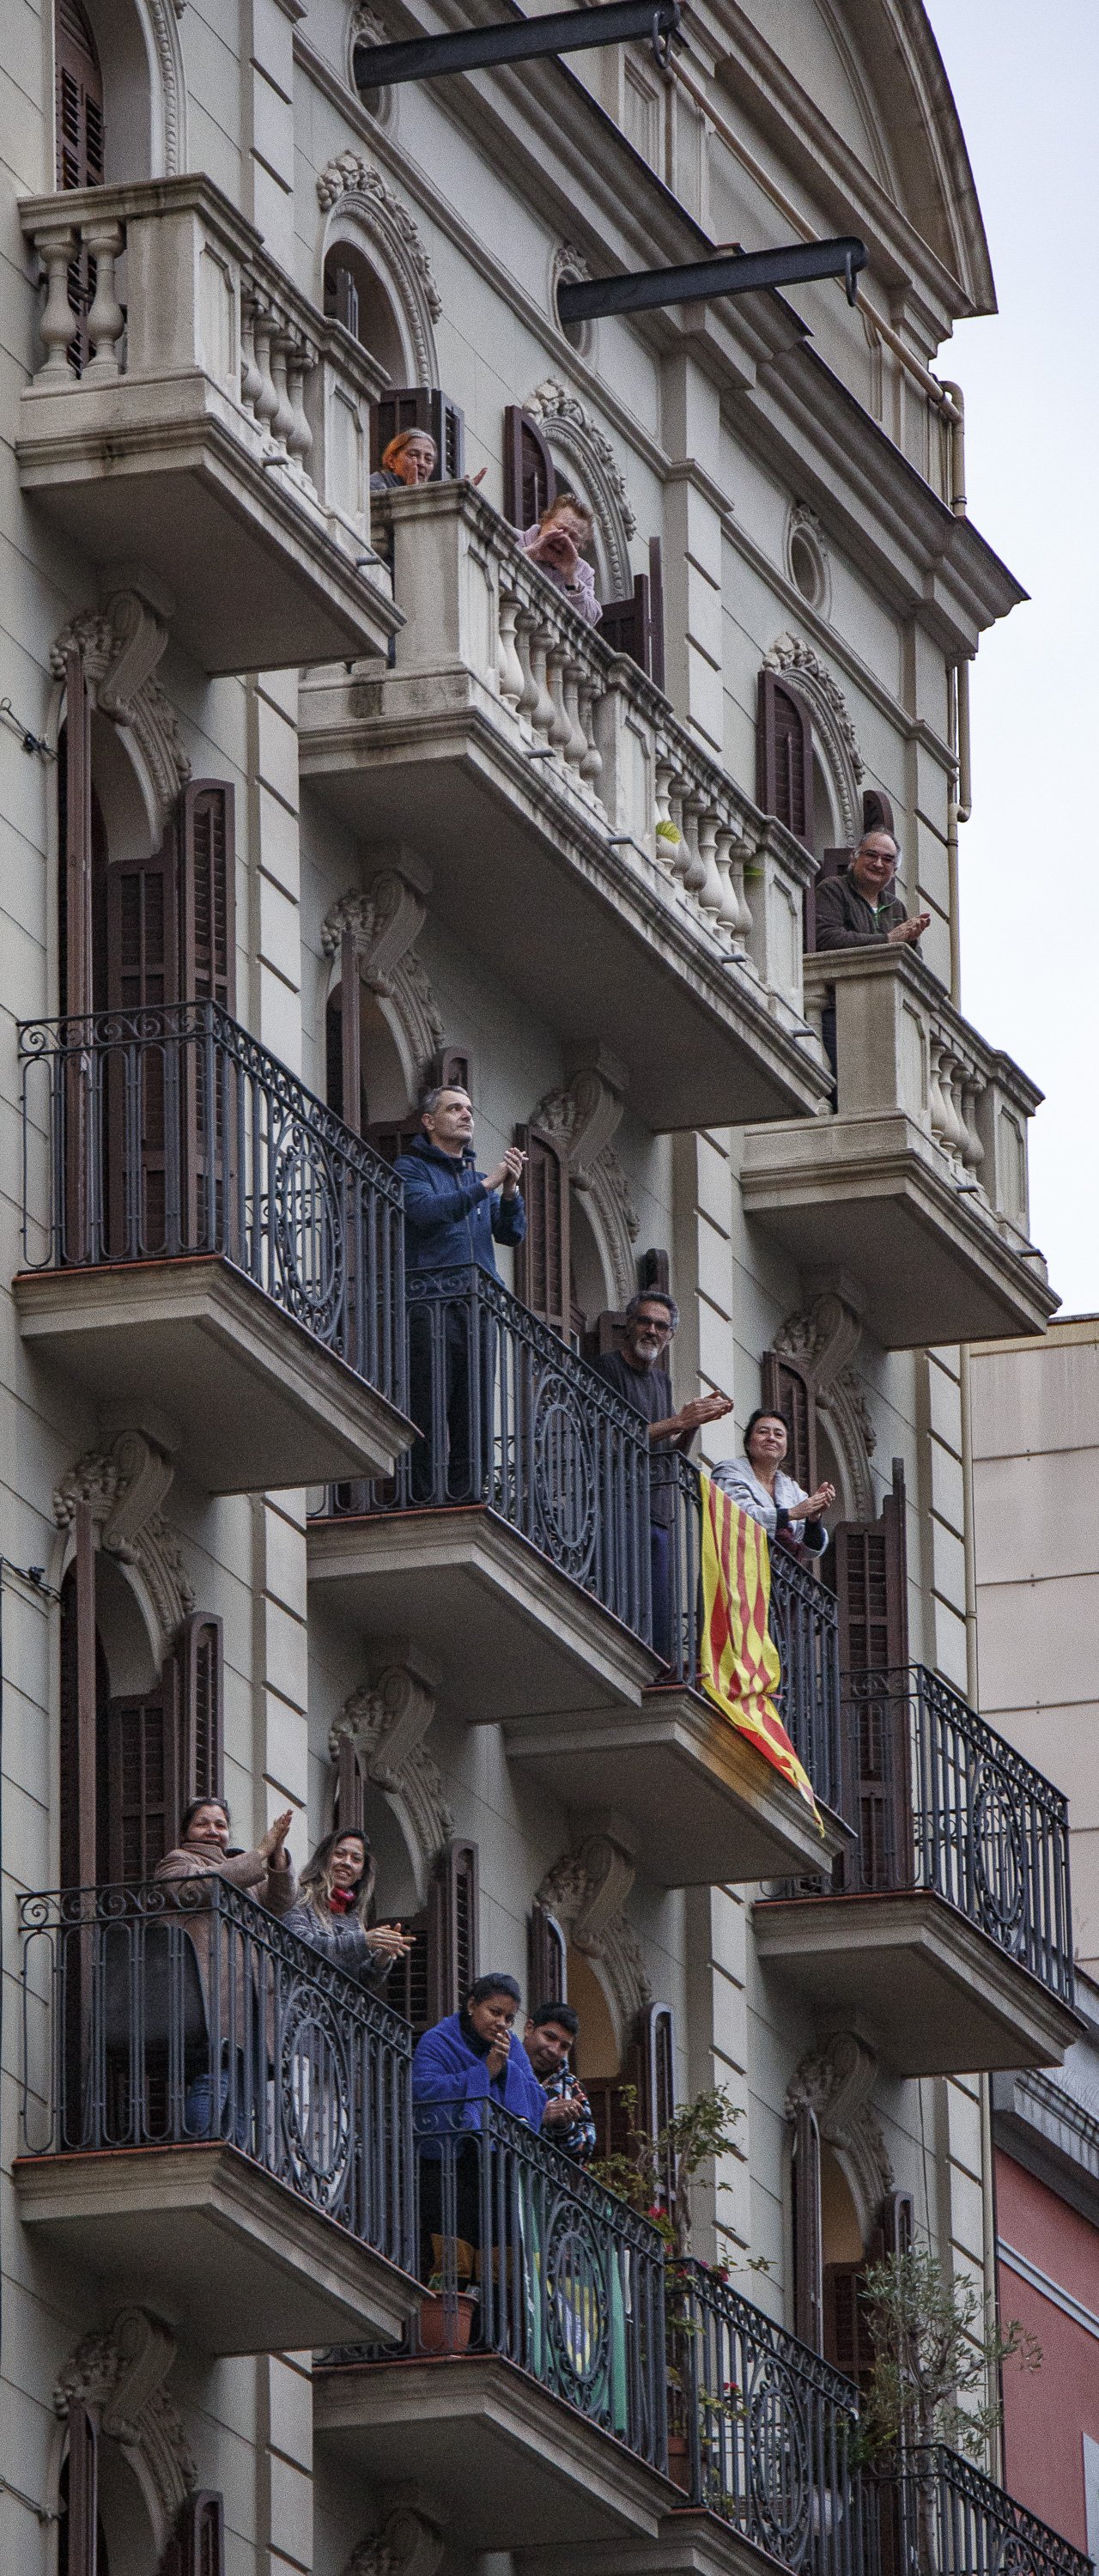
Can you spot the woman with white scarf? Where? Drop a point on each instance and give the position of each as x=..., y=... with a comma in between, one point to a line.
x=759, y=1484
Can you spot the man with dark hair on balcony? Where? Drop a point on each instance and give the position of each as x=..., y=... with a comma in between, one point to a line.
x=454, y=1216
x=548, y=2039
x=858, y=907
x=639, y=1372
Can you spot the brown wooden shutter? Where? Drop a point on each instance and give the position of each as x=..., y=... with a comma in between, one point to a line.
x=409, y=1987
x=542, y=1261
x=142, y=974
x=208, y=895
x=898, y=2222
x=78, y=147
x=869, y=1571
x=784, y=756
x=452, y=1929
x=530, y=477
x=877, y=812
x=75, y=785
x=202, y=1671
x=421, y=407
x=654, y=1272
x=808, y=2286
x=546, y=1977
x=391, y=1137
x=142, y=1784
x=83, y=1697
x=847, y=2343
x=655, y=663
x=197, y=2545
x=626, y=624
x=349, y=1801
x=81, y=2526
x=791, y=1389
x=142, y=931
x=452, y=1070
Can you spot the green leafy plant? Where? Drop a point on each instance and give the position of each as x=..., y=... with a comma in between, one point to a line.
x=655, y=2175
x=935, y=2347
x=666, y=831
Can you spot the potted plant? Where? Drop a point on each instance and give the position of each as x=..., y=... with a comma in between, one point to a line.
x=446, y=2316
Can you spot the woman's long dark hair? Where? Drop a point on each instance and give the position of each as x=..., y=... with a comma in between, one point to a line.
x=316, y=1878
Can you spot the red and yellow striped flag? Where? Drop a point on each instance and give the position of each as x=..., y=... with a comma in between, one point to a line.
x=738, y=1660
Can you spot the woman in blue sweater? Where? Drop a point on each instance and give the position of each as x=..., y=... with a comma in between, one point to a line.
x=471, y=2058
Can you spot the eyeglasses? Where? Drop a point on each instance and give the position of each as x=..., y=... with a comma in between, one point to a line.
x=653, y=1326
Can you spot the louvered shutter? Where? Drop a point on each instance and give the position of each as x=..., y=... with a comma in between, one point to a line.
x=142, y=974
x=530, y=478
x=898, y=2222
x=609, y=2112
x=208, y=889
x=847, y=2343
x=626, y=624
x=349, y=1802
x=452, y=1929
x=808, y=2286
x=877, y=812
x=784, y=756
x=791, y=1389
x=542, y=1261
x=869, y=1572
x=142, y=1783
x=79, y=148
x=390, y=1136
x=409, y=1987
x=655, y=663
x=656, y=2089
x=421, y=407
x=75, y=819
x=197, y=2545
x=81, y=2525
x=546, y=1977
x=202, y=1668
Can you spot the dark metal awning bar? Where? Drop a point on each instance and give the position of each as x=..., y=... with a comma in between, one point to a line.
x=644, y=289
x=518, y=40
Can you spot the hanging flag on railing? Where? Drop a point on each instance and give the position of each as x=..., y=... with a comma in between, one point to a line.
x=738, y=1660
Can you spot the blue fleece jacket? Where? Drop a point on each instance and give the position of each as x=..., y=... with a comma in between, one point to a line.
x=448, y=1218
x=450, y=2080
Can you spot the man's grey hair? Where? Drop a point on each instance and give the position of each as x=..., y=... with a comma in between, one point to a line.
x=653, y=1297
x=429, y=1100
x=878, y=832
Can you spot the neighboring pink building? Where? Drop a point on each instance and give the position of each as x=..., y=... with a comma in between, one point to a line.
x=1046, y=2131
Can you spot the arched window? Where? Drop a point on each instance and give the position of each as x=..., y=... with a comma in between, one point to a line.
x=355, y=296
x=151, y=1742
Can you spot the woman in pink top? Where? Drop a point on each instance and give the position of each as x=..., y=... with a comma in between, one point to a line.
x=554, y=545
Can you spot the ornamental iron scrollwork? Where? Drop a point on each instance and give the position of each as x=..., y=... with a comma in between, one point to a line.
x=564, y=1473
x=308, y=1230
x=316, y=2094
x=577, y=2320
x=778, y=2463
x=999, y=1859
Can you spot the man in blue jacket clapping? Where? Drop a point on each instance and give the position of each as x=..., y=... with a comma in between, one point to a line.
x=454, y=1216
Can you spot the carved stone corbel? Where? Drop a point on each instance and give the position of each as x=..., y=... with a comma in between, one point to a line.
x=121, y=2373
x=836, y=2082
x=385, y=919
x=120, y=646
x=825, y=1336
x=125, y=1487
x=387, y=1721
x=583, y=1115
x=586, y=1892
x=408, y=2544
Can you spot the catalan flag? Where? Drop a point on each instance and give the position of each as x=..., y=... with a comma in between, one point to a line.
x=738, y=1659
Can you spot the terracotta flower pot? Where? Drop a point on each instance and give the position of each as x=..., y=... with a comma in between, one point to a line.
x=446, y=2328
x=679, y=2461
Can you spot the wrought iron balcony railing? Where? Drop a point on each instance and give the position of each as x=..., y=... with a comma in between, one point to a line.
x=509, y=1417
x=169, y=1132
x=533, y=2261
x=763, y=2428
x=934, y=2514
x=803, y=1621
x=940, y=1801
x=181, y=2011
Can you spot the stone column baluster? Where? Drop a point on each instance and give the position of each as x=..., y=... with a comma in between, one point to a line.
x=591, y=767
x=729, y=913
x=251, y=380
x=943, y=1126
x=525, y=626
x=681, y=851
x=543, y=714
x=106, y=319
x=694, y=874
x=738, y=861
x=577, y=744
x=664, y=773
x=300, y=362
x=711, y=892
x=560, y=731
x=973, y=1152
x=266, y=401
x=282, y=419
x=58, y=322
x=511, y=677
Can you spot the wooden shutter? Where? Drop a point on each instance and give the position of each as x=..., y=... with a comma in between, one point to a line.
x=142, y=931
x=75, y=818
x=784, y=756
x=546, y=1973
x=202, y=1669
x=78, y=147
x=452, y=1070
x=655, y=663
x=208, y=895
x=391, y=1136
x=421, y=407
x=897, y=2223
x=808, y=2285
x=847, y=2344
x=197, y=2545
x=452, y=1929
x=626, y=624
x=869, y=1571
x=349, y=1800
x=791, y=1389
x=409, y=1987
x=654, y=1272
x=142, y=1784
x=81, y=2525
x=83, y=1696
x=530, y=478
x=142, y=974
x=542, y=1261
x=877, y=812
x=870, y=1579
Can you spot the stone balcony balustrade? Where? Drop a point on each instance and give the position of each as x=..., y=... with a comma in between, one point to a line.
x=216, y=431
x=917, y=1184
x=537, y=767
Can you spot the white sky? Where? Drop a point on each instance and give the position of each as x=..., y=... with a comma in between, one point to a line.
x=1025, y=75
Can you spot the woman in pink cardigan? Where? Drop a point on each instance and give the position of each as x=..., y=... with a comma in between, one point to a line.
x=266, y=1874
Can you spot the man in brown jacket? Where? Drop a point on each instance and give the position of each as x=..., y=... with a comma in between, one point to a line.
x=858, y=908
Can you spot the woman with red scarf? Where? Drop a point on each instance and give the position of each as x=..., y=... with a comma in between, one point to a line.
x=333, y=1907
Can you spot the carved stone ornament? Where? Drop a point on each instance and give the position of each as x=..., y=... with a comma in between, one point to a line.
x=583, y=1115
x=120, y=647
x=350, y=186
x=834, y=731
x=121, y=2375
x=384, y=921
x=574, y=436
x=837, y=2081
x=125, y=1488
x=825, y=1337
x=386, y=1721
x=586, y=1892
x=408, y=2544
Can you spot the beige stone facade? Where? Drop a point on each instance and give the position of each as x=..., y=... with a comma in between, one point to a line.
x=438, y=776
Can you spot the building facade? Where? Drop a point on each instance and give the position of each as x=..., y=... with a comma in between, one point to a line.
x=314, y=796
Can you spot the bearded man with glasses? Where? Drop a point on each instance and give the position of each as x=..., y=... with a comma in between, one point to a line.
x=639, y=1371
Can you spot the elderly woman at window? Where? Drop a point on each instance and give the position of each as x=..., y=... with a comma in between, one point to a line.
x=333, y=1910
x=410, y=459
x=759, y=1483
x=554, y=544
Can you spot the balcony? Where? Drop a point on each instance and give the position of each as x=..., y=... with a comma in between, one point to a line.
x=917, y=1185
x=761, y=2429
x=552, y=2422
x=533, y=764
x=284, y=2220
x=950, y=1942
x=519, y=1516
x=208, y=1248
x=703, y=1806
x=938, y=2515
x=213, y=399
